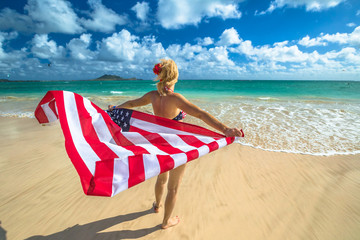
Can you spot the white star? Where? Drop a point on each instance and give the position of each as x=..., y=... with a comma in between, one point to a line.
x=125, y=124
x=127, y=113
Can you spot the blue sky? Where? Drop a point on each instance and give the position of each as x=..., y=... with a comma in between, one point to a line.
x=213, y=39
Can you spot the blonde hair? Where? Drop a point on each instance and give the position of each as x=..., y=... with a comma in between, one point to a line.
x=169, y=75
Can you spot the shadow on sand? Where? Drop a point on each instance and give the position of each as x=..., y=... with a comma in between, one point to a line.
x=91, y=230
x=2, y=233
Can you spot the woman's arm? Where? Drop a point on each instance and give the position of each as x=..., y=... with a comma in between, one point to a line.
x=197, y=112
x=144, y=100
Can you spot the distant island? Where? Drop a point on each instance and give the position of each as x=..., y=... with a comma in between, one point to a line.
x=108, y=77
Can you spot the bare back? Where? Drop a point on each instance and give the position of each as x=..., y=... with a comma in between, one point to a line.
x=165, y=106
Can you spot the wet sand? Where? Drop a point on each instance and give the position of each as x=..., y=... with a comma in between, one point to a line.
x=234, y=193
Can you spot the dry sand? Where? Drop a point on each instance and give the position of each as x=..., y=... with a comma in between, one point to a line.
x=234, y=193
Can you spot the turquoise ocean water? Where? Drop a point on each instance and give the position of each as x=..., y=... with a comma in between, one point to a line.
x=310, y=117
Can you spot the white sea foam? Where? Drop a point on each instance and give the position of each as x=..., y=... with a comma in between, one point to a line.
x=17, y=114
x=329, y=153
x=6, y=99
x=267, y=98
x=317, y=128
x=116, y=92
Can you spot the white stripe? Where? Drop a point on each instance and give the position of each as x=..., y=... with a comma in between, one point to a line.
x=203, y=150
x=49, y=112
x=85, y=151
x=121, y=176
x=103, y=132
x=151, y=165
x=155, y=128
x=205, y=139
x=179, y=159
x=177, y=142
x=222, y=142
x=57, y=113
x=138, y=140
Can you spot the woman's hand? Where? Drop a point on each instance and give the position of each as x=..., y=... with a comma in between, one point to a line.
x=233, y=132
x=111, y=107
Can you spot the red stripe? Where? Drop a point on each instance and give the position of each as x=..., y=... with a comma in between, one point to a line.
x=40, y=115
x=166, y=163
x=186, y=127
x=157, y=140
x=39, y=112
x=101, y=187
x=136, y=170
x=101, y=183
x=213, y=146
x=230, y=140
x=192, y=154
x=191, y=140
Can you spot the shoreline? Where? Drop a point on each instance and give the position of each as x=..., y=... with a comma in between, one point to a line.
x=29, y=116
x=238, y=190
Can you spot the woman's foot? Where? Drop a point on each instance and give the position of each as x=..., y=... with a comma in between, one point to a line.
x=171, y=222
x=156, y=207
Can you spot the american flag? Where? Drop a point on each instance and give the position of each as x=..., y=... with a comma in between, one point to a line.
x=113, y=151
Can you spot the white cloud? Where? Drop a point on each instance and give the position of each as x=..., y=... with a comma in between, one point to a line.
x=119, y=47
x=43, y=16
x=310, y=5
x=53, y=16
x=174, y=14
x=142, y=10
x=46, y=16
x=2, y=52
x=223, y=11
x=205, y=41
x=125, y=47
x=351, y=24
x=347, y=54
x=184, y=54
x=281, y=44
x=229, y=37
x=344, y=38
x=8, y=35
x=339, y=38
x=220, y=55
x=195, y=61
x=79, y=48
x=9, y=58
x=44, y=48
x=102, y=19
x=311, y=42
x=285, y=60
x=358, y=13
x=126, y=54
x=277, y=53
x=10, y=19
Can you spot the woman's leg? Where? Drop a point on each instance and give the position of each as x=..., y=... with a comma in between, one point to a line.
x=173, y=186
x=159, y=189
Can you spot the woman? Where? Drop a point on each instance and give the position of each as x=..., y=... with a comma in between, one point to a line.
x=169, y=104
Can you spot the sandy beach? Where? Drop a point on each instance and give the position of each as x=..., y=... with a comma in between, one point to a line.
x=236, y=192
